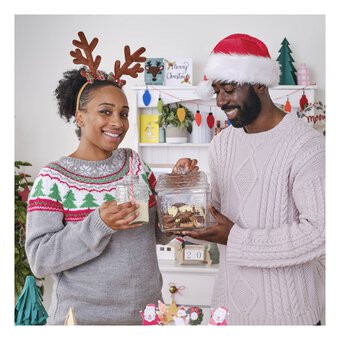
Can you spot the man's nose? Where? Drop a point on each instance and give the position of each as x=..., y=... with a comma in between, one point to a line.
x=222, y=98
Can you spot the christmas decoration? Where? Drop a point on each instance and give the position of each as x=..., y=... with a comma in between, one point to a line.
x=146, y=97
x=29, y=309
x=149, y=316
x=160, y=104
x=22, y=188
x=91, y=72
x=303, y=101
x=198, y=118
x=239, y=58
x=303, y=75
x=154, y=71
x=218, y=317
x=210, y=120
x=287, y=107
x=162, y=313
x=287, y=76
x=181, y=113
x=70, y=318
x=181, y=318
x=195, y=316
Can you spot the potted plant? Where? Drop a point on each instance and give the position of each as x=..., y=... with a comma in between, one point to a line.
x=175, y=130
x=22, y=188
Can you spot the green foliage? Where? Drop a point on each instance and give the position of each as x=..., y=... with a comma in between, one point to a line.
x=22, y=268
x=169, y=117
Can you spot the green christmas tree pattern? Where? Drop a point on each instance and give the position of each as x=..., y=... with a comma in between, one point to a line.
x=69, y=200
x=287, y=76
x=55, y=193
x=89, y=202
x=109, y=198
x=39, y=189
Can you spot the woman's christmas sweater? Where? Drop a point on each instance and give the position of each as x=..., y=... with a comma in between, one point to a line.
x=106, y=276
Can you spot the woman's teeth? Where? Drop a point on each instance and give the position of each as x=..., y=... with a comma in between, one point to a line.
x=111, y=134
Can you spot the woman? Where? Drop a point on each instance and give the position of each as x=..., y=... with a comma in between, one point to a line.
x=103, y=267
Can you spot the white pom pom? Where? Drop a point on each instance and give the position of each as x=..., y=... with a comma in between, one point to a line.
x=204, y=90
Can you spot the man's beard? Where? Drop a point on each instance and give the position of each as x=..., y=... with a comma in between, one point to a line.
x=248, y=112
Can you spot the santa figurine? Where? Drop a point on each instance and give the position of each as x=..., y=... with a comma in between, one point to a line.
x=149, y=315
x=181, y=319
x=218, y=317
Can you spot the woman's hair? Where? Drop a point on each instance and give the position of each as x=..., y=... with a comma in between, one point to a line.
x=68, y=89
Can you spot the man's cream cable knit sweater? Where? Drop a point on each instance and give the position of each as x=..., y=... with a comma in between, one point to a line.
x=271, y=185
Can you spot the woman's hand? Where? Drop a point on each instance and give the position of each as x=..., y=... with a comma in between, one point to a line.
x=184, y=165
x=118, y=216
x=217, y=233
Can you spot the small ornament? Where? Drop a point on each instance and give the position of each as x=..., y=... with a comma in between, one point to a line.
x=195, y=316
x=287, y=107
x=70, y=318
x=198, y=118
x=149, y=316
x=303, y=101
x=146, y=97
x=181, y=318
x=172, y=310
x=303, y=75
x=24, y=194
x=160, y=105
x=181, y=113
x=287, y=76
x=29, y=309
x=218, y=317
x=210, y=120
x=162, y=313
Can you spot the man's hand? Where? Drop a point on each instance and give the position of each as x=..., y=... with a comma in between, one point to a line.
x=217, y=233
x=184, y=165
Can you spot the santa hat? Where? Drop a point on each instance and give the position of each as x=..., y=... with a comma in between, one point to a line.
x=242, y=59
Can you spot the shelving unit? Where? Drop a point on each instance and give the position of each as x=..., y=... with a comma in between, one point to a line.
x=166, y=154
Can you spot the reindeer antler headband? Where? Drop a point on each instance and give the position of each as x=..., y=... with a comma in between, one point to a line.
x=91, y=72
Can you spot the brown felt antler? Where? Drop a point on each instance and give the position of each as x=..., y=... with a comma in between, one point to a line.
x=129, y=59
x=88, y=49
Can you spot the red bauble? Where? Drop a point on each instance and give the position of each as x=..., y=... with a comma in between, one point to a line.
x=198, y=118
x=303, y=101
x=210, y=120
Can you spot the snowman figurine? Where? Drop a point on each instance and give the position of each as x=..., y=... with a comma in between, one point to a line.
x=218, y=317
x=149, y=315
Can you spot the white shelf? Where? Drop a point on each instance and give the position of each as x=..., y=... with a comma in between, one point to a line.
x=174, y=145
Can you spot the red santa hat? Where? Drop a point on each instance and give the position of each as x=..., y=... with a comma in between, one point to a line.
x=242, y=59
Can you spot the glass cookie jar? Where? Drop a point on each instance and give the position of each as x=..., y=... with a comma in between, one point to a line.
x=134, y=188
x=182, y=201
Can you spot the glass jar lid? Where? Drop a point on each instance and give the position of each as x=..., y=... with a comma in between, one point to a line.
x=191, y=180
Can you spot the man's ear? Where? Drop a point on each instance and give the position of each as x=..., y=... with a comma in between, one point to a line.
x=259, y=88
x=79, y=118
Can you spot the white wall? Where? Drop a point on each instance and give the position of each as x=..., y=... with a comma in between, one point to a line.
x=42, y=54
x=42, y=45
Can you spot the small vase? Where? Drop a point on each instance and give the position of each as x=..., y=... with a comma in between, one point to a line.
x=176, y=135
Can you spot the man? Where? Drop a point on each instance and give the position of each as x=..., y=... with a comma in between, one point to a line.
x=267, y=179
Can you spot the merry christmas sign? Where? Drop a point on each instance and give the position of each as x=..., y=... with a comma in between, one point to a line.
x=178, y=71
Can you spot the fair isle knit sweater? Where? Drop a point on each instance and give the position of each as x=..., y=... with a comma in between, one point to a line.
x=106, y=276
x=271, y=185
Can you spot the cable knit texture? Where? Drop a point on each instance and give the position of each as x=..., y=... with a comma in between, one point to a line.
x=106, y=276
x=271, y=185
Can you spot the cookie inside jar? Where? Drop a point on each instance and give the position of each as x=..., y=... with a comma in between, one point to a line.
x=182, y=201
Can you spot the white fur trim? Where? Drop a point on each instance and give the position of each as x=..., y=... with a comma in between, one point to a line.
x=204, y=90
x=243, y=69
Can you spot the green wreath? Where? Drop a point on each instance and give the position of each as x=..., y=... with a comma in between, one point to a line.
x=199, y=313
